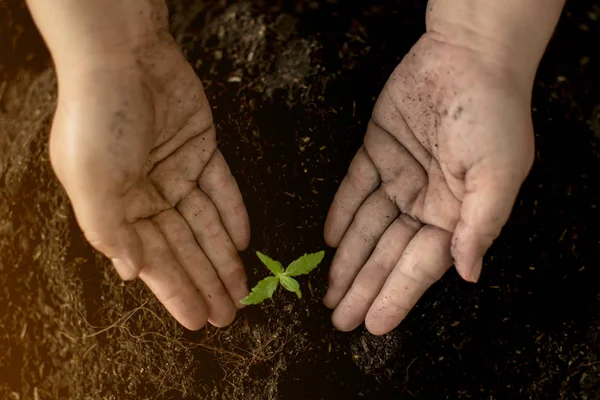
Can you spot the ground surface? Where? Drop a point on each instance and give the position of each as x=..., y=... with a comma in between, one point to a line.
x=292, y=85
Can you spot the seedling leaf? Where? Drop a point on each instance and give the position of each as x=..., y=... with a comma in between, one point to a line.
x=291, y=284
x=265, y=288
x=304, y=264
x=262, y=291
x=274, y=266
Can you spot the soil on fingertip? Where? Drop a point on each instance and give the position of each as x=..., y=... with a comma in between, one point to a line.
x=292, y=85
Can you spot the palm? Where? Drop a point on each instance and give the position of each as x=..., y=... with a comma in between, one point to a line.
x=443, y=128
x=142, y=149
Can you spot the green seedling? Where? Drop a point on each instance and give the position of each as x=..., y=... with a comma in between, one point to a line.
x=265, y=288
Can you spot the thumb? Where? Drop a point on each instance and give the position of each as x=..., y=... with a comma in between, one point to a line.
x=114, y=237
x=96, y=185
x=101, y=215
x=491, y=191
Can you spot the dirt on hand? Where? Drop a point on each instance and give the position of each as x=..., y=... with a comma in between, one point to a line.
x=292, y=85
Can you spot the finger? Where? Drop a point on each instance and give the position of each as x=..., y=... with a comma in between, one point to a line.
x=372, y=219
x=489, y=199
x=424, y=261
x=168, y=281
x=203, y=218
x=220, y=185
x=353, y=308
x=194, y=262
x=360, y=181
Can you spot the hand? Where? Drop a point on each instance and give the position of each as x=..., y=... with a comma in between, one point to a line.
x=133, y=142
x=446, y=151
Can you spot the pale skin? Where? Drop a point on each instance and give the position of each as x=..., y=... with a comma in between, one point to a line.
x=445, y=153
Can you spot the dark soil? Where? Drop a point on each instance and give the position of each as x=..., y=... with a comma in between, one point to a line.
x=292, y=85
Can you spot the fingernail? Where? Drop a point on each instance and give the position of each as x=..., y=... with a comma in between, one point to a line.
x=125, y=269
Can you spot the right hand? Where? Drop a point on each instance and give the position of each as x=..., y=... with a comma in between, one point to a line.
x=134, y=144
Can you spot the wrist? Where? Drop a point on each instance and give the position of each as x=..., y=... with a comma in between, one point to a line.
x=512, y=34
x=83, y=34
